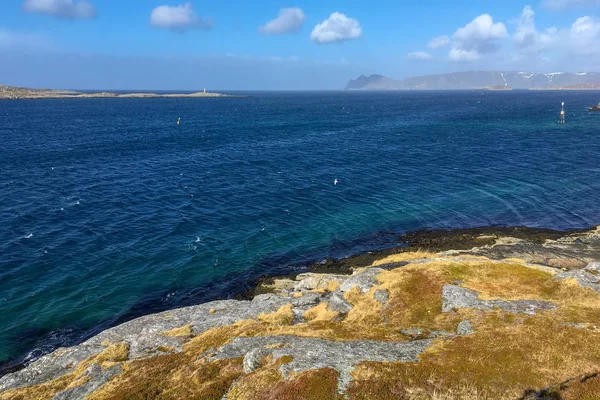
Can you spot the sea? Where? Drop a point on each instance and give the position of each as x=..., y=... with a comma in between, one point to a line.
x=110, y=210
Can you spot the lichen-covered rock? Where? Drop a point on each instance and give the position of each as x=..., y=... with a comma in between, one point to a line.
x=456, y=297
x=252, y=359
x=310, y=281
x=98, y=377
x=51, y=366
x=381, y=296
x=465, y=328
x=257, y=349
x=364, y=280
x=337, y=303
x=311, y=353
x=143, y=336
x=588, y=277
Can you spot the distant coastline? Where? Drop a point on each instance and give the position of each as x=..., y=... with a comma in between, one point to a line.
x=476, y=80
x=20, y=93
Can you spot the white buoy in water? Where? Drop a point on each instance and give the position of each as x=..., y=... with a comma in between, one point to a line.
x=179, y=121
x=561, y=117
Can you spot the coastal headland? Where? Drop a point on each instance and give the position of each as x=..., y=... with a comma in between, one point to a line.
x=487, y=313
x=18, y=93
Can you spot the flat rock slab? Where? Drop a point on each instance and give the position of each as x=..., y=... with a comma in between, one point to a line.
x=143, y=335
x=312, y=281
x=455, y=297
x=49, y=367
x=313, y=353
x=98, y=377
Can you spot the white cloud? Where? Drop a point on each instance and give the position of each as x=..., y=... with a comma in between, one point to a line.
x=439, y=41
x=559, y=5
x=419, y=56
x=584, y=36
x=460, y=55
x=337, y=28
x=178, y=18
x=527, y=38
x=289, y=20
x=68, y=9
x=478, y=37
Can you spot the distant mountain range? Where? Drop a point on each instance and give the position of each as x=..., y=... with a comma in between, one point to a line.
x=478, y=80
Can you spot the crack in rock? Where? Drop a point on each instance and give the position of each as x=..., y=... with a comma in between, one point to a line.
x=455, y=297
x=313, y=353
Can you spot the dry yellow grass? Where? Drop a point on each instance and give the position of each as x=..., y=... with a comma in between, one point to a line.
x=332, y=286
x=283, y=316
x=402, y=257
x=184, y=331
x=115, y=352
x=508, y=354
x=320, y=313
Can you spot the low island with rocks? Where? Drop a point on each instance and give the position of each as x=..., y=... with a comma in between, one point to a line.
x=19, y=93
x=494, y=313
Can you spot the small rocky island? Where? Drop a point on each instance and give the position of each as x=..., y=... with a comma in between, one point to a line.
x=495, y=313
x=18, y=93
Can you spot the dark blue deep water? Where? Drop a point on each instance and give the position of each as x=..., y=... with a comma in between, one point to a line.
x=108, y=209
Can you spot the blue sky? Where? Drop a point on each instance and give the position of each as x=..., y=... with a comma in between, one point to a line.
x=158, y=44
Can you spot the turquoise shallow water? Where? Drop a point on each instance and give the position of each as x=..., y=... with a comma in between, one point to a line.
x=108, y=209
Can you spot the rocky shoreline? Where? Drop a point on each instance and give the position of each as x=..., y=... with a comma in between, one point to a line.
x=17, y=93
x=473, y=313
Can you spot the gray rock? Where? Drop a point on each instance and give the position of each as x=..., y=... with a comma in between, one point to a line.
x=305, y=303
x=395, y=265
x=588, y=277
x=363, y=280
x=381, y=296
x=308, y=299
x=98, y=378
x=50, y=366
x=143, y=345
x=337, y=303
x=455, y=297
x=440, y=335
x=530, y=307
x=416, y=333
x=312, y=353
x=465, y=328
x=144, y=336
x=310, y=281
x=413, y=332
x=252, y=359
